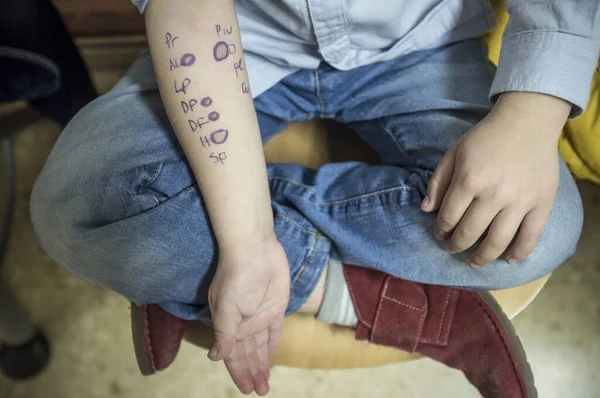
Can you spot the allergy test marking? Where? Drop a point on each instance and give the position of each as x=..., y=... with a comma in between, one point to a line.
x=222, y=50
x=189, y=106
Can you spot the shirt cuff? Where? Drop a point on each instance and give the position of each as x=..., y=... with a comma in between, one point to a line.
x=553, y=63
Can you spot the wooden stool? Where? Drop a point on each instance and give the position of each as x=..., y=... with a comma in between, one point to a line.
x=305, y=342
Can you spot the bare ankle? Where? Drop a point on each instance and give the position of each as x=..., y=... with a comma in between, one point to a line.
x=313, y=304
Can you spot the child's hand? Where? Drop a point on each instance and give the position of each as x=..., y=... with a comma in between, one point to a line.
x=248, y=298
x=502, y=175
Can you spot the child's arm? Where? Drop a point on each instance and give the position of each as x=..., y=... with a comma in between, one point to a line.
x=502, y=177
x=201, y=74
x=197, y=55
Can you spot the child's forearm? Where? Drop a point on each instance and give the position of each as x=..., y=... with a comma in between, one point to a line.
x=201, y=73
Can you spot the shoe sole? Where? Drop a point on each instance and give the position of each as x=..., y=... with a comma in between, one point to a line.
x=514, y=341
x=141, y=343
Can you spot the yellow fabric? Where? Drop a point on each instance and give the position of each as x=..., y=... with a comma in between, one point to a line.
x=580, y=142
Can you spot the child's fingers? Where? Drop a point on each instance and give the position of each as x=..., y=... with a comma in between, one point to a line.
x=226, y=322
x=501, y=232
x=261, y=382
x=237, y=366
x=439, y=182
x=531, y=230
x=455, y=204
x=254, y=366
x=472, y=225
x=274, y=335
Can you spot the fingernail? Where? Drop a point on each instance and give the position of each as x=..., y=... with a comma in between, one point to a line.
x=512, y=261
x=474, y=265
x=425, y=202
x=438, y=235
x=212, y=354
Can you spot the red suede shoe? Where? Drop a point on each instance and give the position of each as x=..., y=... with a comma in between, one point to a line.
x=156, y=337
x=465, y=330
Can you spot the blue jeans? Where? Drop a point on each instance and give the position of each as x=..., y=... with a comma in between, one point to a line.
x=117, y=203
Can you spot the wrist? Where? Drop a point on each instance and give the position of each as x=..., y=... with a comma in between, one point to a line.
x=534, y=105
x=243, y=217
x=537, y=113
x=247, y=244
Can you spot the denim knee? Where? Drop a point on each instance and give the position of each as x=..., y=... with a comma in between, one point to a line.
x=68, y=228
x=87, y=183
x=54, y=217
x=558, y=242
x=58, y=205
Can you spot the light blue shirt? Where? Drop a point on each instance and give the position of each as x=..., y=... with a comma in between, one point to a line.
x=549, y=46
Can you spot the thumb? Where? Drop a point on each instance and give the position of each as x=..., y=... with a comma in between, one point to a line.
x=226, y=321
x=439, y=182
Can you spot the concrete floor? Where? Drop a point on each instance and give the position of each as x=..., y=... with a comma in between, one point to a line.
x=88, y=327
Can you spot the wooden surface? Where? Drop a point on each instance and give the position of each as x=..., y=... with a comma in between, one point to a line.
x=306, y=343
x=86, y=18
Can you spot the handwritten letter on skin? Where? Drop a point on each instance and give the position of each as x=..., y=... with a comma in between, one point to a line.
x=201, y=113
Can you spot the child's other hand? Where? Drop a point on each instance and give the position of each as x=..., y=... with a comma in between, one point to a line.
x=248, y=298
x=502, y=175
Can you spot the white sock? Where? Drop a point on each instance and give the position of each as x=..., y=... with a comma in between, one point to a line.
x=337, y=307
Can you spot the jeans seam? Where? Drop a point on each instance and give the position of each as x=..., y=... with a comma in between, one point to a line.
x=150, y=181
x=393, y=137
x=154, y=177
x=305, y=264
x=428, y=175
x=354, y=198
x=369, y=195
x=284, y=218
x=302, y=115
x=318, y=90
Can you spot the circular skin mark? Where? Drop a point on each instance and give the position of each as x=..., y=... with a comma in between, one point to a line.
x=206, y=102
x=221, y=51
x=219, y=136
x=187, y=59
x=213, y=116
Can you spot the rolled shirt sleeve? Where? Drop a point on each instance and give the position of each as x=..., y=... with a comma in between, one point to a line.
x=550, y=47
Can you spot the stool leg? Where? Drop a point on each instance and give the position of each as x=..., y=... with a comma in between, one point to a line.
x=15, y=328
x=24, y=352
x=7, y=174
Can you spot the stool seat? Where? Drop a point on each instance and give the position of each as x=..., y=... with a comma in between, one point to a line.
x=305, y=342
x=308, y=343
